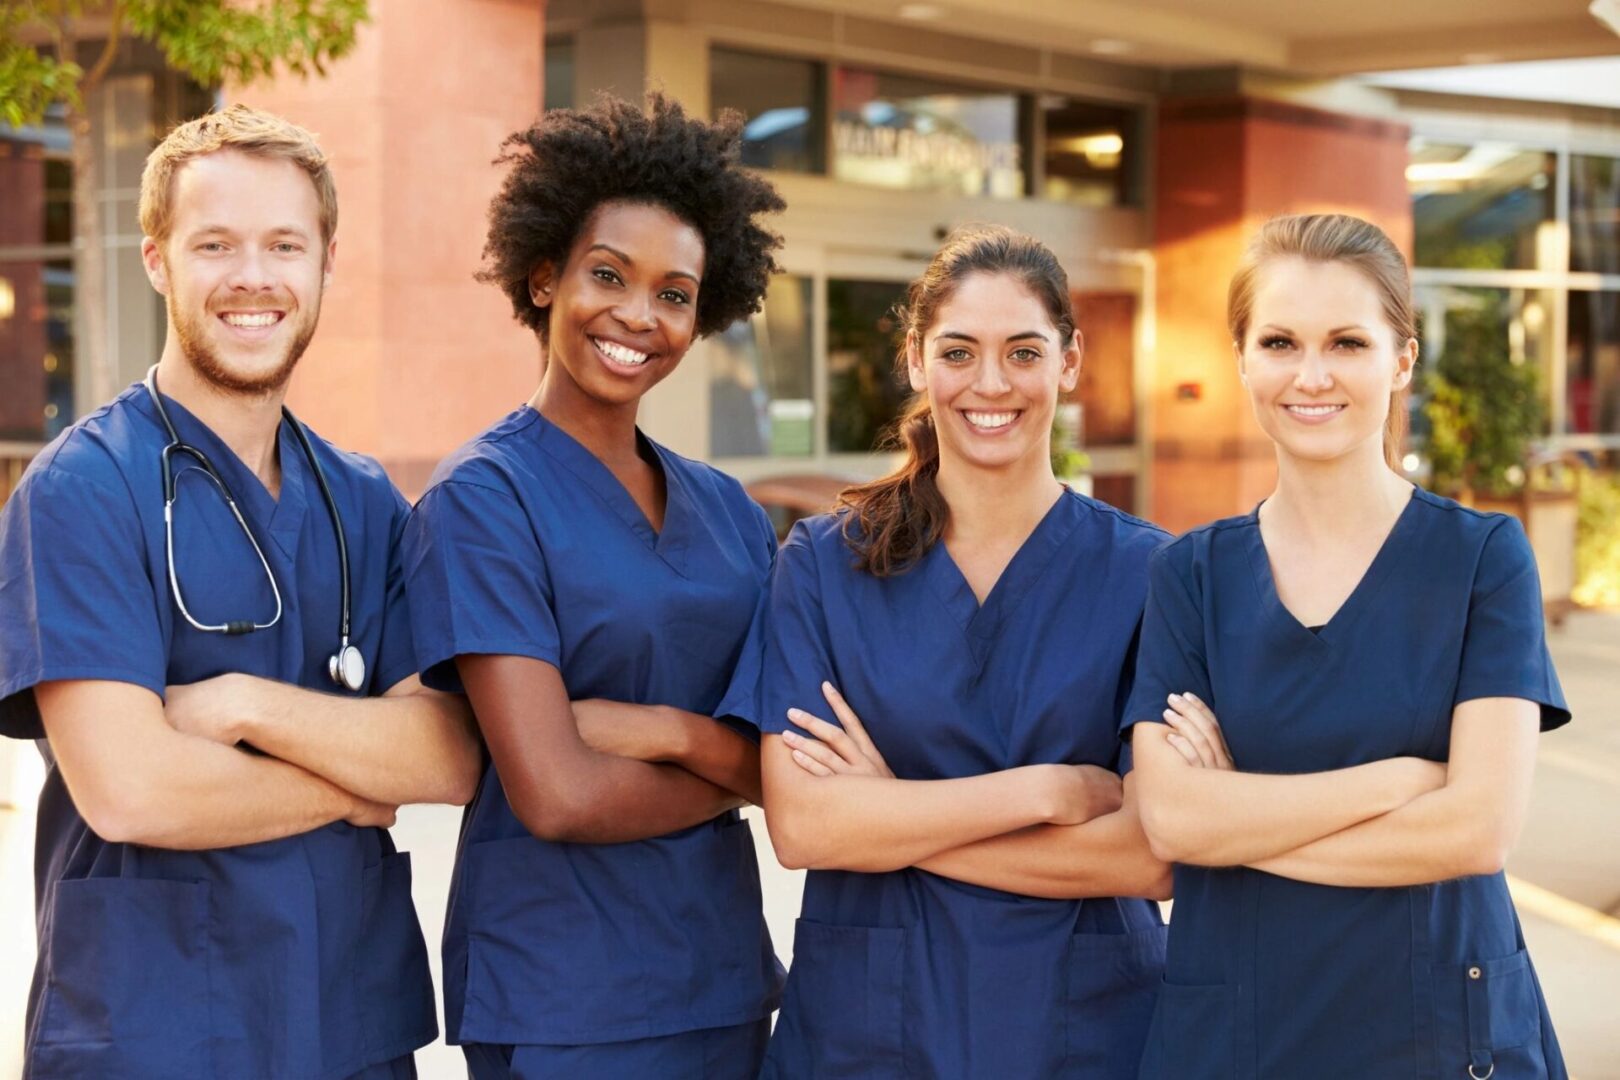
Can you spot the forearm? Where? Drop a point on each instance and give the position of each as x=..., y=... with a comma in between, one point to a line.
x=597, y=798
x=1435, y=837
x=713, y=751
x=1221, y=817
x=417, y=747
x=1107, y=856
x=876, y=824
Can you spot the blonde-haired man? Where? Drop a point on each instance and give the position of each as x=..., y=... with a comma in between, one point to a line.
x=188, y=569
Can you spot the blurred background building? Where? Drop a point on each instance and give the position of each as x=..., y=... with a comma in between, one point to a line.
x=1141, y=141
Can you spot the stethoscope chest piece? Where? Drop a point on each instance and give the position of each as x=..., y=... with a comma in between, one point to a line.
x=347, y=668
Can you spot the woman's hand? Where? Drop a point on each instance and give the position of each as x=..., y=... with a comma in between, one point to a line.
x=640, y=732
x=835, y=751
x=1195, y=733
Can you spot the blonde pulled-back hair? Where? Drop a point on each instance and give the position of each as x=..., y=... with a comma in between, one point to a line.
x=1334, y=238
x=242, y=128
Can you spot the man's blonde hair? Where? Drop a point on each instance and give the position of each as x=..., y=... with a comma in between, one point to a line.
x=241, y=128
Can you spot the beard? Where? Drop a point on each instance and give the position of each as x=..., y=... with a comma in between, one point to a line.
x=205, y=360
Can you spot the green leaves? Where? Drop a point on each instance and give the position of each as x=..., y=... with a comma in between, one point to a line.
x=210, y=40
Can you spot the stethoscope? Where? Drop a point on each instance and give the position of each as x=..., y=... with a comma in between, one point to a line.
x=346, y=667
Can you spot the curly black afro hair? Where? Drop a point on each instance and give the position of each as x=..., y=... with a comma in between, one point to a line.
x=573, y=160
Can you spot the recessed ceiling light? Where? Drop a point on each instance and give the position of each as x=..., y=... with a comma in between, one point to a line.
x=921, y=12
x=1111, y=47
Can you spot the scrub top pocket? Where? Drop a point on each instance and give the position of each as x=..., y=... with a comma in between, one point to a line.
x=396, y=991
x=1209, y=1014
x=126, y=991
x=1488, y=1017
x=851, y=979
x=1113, y=982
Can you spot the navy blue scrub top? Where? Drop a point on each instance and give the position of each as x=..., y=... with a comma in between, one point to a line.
x=910, y=974
x=527, y=545
x=1273, y=977
x=295, y=957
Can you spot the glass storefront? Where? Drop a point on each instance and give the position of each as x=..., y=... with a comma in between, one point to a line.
x=1592, y=367
x=761, y=372
x=782, y=101
x=1488, y=206
x=1594, y=214
x=864, y=390
x=1092, y=152
x=1517, y=324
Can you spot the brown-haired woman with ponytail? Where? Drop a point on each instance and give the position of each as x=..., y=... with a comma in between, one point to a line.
x=977, y=871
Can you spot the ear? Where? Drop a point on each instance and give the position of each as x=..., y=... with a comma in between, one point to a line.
x=914, y=363
x=1073, y=356
x=1242, y=366
x=1406, y=364
x=540, y=284
x=157, y=272
x=331, y=260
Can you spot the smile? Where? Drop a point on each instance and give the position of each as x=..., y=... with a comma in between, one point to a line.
x=620, y=355
x=991, y=421
x=251, y=320
x=1314, y=412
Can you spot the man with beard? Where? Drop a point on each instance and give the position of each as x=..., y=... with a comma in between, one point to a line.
x=202, y=620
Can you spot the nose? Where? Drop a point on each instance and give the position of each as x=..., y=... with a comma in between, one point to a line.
x=1313, y=375
x=635, y=313
x=990, y=379
x=251, y=272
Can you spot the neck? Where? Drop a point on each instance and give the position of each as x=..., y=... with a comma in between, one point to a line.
x=993, y=502
x=607, y=431
x=1317, y=498
x=246, y=423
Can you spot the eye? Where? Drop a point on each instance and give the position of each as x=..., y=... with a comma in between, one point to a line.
x=674, y=296
x=604, y=273
x=1026, y=355
x=956, y=355
x=1349, y=343
x=210, y=246
x=287, y=247
x=1276, y=342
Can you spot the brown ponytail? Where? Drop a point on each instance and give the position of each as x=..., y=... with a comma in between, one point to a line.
x=892, y=522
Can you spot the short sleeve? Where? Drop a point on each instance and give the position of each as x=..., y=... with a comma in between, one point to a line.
x=788, y=646
x=76, y=598
x=1170, y=646
x=1504, y=650
x=396, y=655
x=475, y=581
x=738, y=708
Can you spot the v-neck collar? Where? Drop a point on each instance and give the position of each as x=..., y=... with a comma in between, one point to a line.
x=980, y=623
x=1335, y=627
x=673, y=541
x=281, y=517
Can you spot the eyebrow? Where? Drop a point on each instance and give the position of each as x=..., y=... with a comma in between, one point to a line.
x=1335, y=330
x=226, y=230
x=628, y=261
x=957, y=335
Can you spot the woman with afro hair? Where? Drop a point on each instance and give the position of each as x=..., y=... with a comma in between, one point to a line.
x=591, y=591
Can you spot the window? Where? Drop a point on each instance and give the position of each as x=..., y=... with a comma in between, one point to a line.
x=36, y=281
x=1483, y=207
x=1091, y=153
x=864, y=392
x=559, y=74
x=1592, y=384
x=1594, y=214
x=1515, y=323
x=761, y=398
x=898, y=131
x=781, y=100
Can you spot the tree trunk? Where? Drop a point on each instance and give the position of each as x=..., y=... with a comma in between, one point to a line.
x=100, y=378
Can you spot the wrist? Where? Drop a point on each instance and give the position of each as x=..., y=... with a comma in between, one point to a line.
x=1050, y=795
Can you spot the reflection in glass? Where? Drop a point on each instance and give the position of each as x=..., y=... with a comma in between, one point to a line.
x=36, y=349
x=864, y=391
x=1091, y=152
x=1592, y=386
x=781, y=99
x=559, y=74
x=1482, y=207
x=1515, y=324
x=1594, y=214
x=761, y=400
x=902, y=132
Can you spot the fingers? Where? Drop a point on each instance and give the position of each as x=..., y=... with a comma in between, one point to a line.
x=802, y=758
x=1193, y=721
x=1185, y=749
x=809, y=752
x=846, y=716
x=831, y=734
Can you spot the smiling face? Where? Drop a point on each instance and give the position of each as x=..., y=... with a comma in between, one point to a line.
x=242, y=268
x=992, y=364
x=624, y=305
x=1320, y=359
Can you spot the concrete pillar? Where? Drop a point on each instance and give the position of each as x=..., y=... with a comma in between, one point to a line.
x=1225, y=165
x=413, y=356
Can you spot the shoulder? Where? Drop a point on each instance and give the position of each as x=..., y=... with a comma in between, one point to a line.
x=1196, y=545
x=96, y=455
x=709, y=482
x=487, y=460
x=1127, y=531
x=1463, y=524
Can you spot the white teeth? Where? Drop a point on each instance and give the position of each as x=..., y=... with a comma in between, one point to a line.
x=1313, y=410
x=619, y=354
x=263, y=318
x=990, y=419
